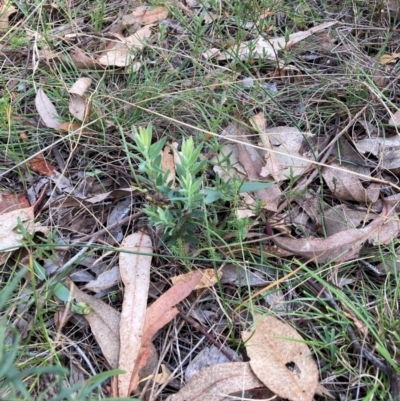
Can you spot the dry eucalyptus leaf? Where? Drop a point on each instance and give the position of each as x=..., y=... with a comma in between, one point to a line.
x=104, y=322
x=218, y=381
x=82, y=61
x=344, y=184
x=6, y=10
x=344, y=245
x=272, y=167
x=253, y=164
x=208, y=279
x=158, y=315
x=10, y=235
x=168, y=164
x=105, y=280
x=121, y=52
x=237, y=170
x=135, y=275
x=287, y=140
x=207, y=357
x=385, y=149
x=78, y=104
x=341, y=217
x=145, y=15
x=267, y=48
x=281, y=360
x=46, y=110
x=242, y=277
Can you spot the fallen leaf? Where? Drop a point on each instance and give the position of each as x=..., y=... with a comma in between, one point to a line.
x=6, y=10
x=343, y=184
x=10, y=235
x=10, y=202
x=208, y=279
x=389, y=58
x=105, y=280
x=46, y=110
x=345, y=245
x=385, y=149
x=229, y=150
x=253, y=164
x=104, y=322
x=281, y=360
x=243, y=277
x=341, y=217
x=135, y=275
x=121, y=52
x=207, y=357
x=82, y=61
x=78, y=106
x=267, y=49
x=145, y=15
x=168, y=164
x=158, y=315
x=217, y=382
x=287, y=140
x=272, y=167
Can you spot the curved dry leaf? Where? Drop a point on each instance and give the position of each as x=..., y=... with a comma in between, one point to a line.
x=82, y=61
x=168, y=164
x=344, y=184
x=10, y=235
x=345, y=245
x=121, y=52
x=218, y=381
x=385, y=149
x=105, y=280
x=145, y=15
x=46, y=110
x=269, y=48
x=104, y=322
x=10, y=202
x=77, y=104
x=135, y=274
x=281, y=360
x=208, y=279
x=341, y=217
x=5, y=11
x=158, y=315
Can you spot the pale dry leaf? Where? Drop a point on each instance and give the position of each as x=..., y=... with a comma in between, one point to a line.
x=209, y=278
x=104, y=322
x=395, y=118
x=168, y=164
x=135, y=275
x=158, y=315
x=345, y=245
x=229, y=150
x=253, y=164
x=82, y=61
x=268, y=48
x=121, y=52
x=289, y=141
x=81, y=86
x=218, y=381
x=281, y=360
x=145, y=15
x=46, y=110
x=10, y=202
x=10, y=235
x=78, y=106
x=362, y=327
x=207, y=357
x=162, y=377
x=389, y=58
x=6, y=10
x=272, y=167
x=341, y=217
x=344, y=185
x=385, y=149
x=105, y=280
